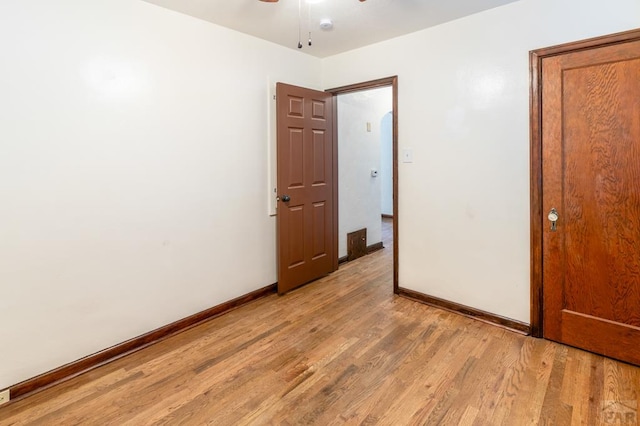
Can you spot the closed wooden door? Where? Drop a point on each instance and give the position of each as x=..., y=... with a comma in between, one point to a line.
x=305, y=217
x=590, y=128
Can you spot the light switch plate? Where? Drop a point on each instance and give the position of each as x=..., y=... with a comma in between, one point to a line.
x=407, y=155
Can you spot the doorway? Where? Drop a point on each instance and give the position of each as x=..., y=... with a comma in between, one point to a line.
x=367, y=176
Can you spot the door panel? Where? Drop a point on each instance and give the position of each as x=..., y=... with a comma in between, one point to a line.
x=306, y=241
x=295, y=236
x=294, y=146
x=319, y=158
x=591, y=175
x=319, y=226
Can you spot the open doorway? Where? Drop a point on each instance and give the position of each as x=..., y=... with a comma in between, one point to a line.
x=365, y=117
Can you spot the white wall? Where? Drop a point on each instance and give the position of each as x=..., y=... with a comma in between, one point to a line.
x=359, y=194
x=464, y=110
x=133, y=169
x=386, y=163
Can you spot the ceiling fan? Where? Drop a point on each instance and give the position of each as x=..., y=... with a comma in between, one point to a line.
x=326, y=26
x=276, y=1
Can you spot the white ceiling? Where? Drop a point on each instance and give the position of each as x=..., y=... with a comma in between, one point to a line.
x=356, y=23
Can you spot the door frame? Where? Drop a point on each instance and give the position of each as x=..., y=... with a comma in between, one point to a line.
x=372, y=84
x=535, y=114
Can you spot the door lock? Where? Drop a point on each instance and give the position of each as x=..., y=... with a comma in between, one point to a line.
x=553, y=218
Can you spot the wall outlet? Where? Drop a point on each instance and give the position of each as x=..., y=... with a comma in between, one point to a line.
x=5, y=395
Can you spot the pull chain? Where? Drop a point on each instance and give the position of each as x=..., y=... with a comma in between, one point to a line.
x=299, y=24
x=309, y=22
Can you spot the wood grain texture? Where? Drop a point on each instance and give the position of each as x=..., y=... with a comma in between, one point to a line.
x=470, y=312
x=602, y=184
x=88, y=363
x=590, y=130
x=552, y=161
x=345, y=350
x=535, y=196
x=538, y=219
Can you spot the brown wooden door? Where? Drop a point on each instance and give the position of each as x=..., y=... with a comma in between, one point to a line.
x=305, y=217
x=591, y=175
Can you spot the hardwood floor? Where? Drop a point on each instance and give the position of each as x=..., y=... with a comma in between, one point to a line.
x=387, y=233
x=344, y=350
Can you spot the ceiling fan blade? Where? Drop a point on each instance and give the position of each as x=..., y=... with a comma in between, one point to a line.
x=276, y=1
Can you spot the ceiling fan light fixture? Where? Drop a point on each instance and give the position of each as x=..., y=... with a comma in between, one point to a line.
x=326, y=24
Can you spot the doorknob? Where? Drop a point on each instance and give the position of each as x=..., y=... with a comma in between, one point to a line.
x=286, y=198
x=553, y=218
